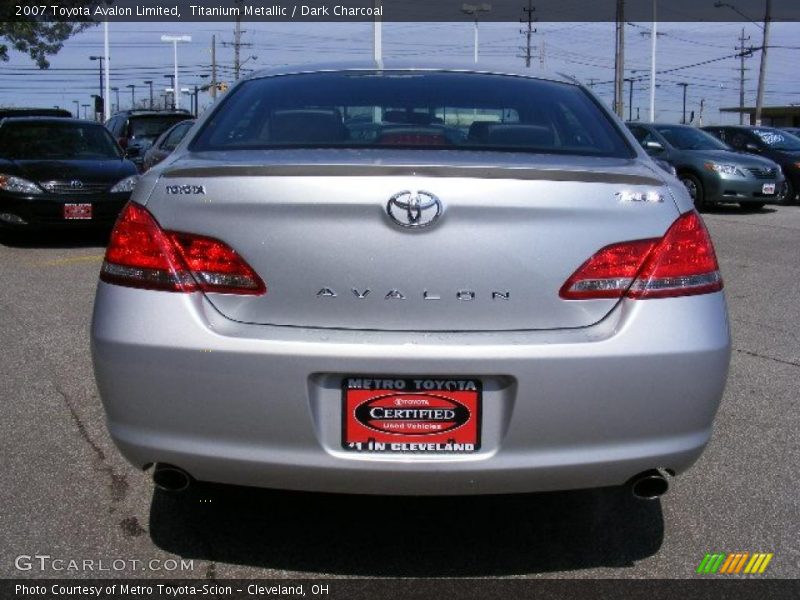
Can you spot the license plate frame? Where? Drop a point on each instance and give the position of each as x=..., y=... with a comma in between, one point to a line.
x=77, y=211
x=768, y=189
x=411, y=415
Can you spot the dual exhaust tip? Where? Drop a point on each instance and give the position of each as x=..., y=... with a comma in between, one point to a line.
x=170, y=478
x=649, y=485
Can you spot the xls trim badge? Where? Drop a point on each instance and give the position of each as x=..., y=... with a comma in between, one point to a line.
x=417, y=415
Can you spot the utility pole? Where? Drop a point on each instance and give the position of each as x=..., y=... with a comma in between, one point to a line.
x=213, y=67
x=619, y=61
x=743, y=54
x=763, y=69
x=528, y=31
x=684, y=86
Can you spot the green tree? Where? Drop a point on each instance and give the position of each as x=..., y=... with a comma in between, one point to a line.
x=38, y=39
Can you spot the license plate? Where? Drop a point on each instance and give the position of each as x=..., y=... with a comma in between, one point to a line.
x=77, y=211
x=419, y=415
x=768, y=189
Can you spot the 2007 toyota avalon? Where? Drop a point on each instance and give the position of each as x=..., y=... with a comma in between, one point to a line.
x=400, y=281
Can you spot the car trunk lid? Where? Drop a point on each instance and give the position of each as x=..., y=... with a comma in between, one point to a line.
x=315, y=226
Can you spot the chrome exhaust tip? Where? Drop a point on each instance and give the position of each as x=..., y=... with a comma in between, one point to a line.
x=170, y=478
x=649, y=485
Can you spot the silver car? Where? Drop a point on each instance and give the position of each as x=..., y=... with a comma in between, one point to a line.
x=410, y=281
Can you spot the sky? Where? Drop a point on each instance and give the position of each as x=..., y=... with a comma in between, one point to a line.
x=582, y=50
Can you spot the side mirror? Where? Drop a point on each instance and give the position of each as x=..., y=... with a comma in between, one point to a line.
x=133, y=152
x=653, y=147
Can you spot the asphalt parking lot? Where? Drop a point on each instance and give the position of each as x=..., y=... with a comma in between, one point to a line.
x=68, y=494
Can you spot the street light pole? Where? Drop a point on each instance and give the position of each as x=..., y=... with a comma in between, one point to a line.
x=174, y=39
x=77, y=109
x=630, y=99
x=132, y=87
x=116, y=91
x=654, y=36
x=172, y=85
x=474, y=10
x=101, y=59
x=684, y=86
x=150, y=83
x=107, y=105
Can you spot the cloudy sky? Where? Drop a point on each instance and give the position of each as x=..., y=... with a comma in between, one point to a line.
x=583, y=50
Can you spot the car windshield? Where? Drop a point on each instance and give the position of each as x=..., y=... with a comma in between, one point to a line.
x=57, y=141
x=145, y=126
x=689, y=138
x=412, y=109
x=777, y=139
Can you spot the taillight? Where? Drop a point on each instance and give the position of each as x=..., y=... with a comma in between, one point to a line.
x=682, y=263
x=140, y=254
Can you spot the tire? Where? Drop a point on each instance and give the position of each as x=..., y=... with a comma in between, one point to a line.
x=754, y=206
x=787, y=194
x=695, y=189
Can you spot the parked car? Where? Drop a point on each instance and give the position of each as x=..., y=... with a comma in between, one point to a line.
x=34, y=112
x=136, y=130
x=165, y=144
x=535, y=306
x=775, y=144
x=60, y=172
x=711, y=171
x=795, y=131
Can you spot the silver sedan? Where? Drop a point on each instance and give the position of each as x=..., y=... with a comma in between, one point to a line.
x=410, y=281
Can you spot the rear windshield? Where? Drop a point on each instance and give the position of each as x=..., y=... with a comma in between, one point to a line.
x=432, y=110
x=689, y=138
x=153, y=126
x=57, y=141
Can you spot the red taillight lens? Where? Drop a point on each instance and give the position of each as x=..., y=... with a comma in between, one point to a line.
x=682, y=263
x=140, y=254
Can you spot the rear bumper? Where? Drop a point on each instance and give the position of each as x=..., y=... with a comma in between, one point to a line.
x=261, y=405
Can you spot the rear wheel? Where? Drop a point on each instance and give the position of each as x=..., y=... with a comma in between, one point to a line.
x=695, y=189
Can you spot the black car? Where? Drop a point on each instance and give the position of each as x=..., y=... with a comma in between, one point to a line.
x=778, y=145
x=795, y=131
x=58, y=172
x=136, y=130
x=165, y=144
x=34, y=112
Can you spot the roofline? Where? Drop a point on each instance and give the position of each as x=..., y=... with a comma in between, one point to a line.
x=388, y=65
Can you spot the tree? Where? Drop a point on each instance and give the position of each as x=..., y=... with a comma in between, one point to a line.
x=38, y=39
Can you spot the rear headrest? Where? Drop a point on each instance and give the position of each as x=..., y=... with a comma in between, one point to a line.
x=479, y=131
x=520, y=135
x=302, y=126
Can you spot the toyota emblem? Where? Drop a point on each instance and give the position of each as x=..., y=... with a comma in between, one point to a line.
x=408, y=209
x=76, y=184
